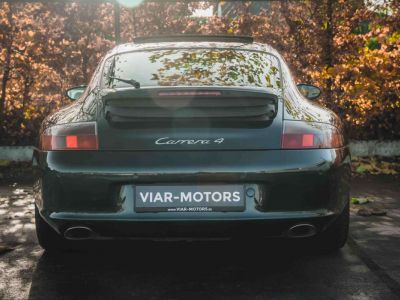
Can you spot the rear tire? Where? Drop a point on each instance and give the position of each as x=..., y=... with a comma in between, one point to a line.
x=335, y=236
x=48, y=238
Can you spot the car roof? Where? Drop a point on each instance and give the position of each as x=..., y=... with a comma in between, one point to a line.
x=150, y=45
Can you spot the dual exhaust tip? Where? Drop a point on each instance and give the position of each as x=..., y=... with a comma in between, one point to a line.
x=84, y=233
x=78, y=233
x=301, y=231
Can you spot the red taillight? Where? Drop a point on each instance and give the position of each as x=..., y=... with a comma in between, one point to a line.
x=71, y=141
x=308, y=135
x=307, y=140
x=74, y=136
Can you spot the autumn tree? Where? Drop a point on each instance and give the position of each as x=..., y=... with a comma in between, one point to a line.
x=348, y=48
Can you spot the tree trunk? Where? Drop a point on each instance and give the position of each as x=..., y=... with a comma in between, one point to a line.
x=7, y=62
x=85, y=60
x=25, y=95
x=329, y=35
x=117, y=23
x=134, y=25
x=293, y=29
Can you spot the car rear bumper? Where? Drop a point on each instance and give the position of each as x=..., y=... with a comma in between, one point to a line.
x=95, y=189
x=193, y=230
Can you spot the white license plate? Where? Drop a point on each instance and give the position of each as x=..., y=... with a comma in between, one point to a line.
x=187, y=198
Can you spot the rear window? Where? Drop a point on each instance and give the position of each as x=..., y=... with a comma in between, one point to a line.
x=194, y=67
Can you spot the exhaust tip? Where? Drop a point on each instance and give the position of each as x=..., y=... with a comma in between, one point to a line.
x=78, y=233
x=302, y=231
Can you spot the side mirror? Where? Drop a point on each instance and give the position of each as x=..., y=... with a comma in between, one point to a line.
x=309, y=91
x=75, y=92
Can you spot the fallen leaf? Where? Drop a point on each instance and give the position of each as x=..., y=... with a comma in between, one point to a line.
x=355, y=200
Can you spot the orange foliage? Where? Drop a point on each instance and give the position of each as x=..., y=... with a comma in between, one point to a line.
x=348, y=49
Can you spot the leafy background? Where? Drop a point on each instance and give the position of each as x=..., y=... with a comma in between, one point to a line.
x=351, y=49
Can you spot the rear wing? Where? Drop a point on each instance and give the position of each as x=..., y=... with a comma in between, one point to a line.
x=188, y=103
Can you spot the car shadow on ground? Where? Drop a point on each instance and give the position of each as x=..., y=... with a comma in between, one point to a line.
x=177, y=270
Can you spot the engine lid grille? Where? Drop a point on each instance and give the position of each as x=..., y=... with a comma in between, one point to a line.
x=131, y=105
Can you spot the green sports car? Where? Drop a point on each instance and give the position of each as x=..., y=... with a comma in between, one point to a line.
x=192, y=137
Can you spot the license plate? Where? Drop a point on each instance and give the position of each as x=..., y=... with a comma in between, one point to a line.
x=202, y=198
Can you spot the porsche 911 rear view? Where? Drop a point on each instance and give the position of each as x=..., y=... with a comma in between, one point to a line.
x=192, y=137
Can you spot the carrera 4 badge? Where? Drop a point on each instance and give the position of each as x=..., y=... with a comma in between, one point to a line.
x=168, y=141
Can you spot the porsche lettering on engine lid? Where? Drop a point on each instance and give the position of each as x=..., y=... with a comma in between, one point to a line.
x=205, y=198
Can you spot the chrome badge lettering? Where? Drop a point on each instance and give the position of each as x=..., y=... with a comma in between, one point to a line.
x=168, y=141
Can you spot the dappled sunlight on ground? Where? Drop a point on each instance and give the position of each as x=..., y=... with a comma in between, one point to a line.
x=16, y=215
x=16, y=270
x=201, y=270
x=379, y=236
x=383, y=194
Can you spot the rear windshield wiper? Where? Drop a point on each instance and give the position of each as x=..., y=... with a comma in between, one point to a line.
x=132, y=82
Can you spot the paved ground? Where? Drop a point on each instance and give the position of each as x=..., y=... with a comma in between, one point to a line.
x=367, y=268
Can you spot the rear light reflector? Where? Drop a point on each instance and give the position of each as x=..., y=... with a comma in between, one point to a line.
x=73, y=136
x=310, y=135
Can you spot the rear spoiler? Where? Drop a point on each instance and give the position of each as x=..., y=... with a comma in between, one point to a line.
x=190, y=103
